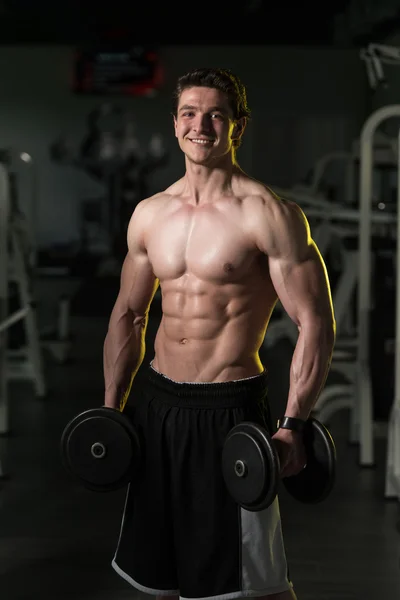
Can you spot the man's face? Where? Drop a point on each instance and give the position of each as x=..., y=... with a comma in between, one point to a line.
x=204, y=124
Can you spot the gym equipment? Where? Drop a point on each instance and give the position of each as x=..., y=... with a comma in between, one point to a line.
x=111, y=153
x=6, y=320
x=14, y=269
x=375, y=55
x=369, y=222
x=100, y=448
x=364, y=300
x=14, y=318
x=392, y=482
x=373, y=219
x=250, y=466
x=58, y=341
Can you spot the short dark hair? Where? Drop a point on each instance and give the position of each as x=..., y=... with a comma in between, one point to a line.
x=220, y=79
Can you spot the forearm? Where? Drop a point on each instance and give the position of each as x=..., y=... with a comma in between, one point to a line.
x=310, y=367
x=124, y=349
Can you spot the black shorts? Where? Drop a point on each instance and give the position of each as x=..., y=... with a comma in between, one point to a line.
x=181, y=531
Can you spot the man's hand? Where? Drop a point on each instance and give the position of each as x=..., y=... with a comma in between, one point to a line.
x=291, y=451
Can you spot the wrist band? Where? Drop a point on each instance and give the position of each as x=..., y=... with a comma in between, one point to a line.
x=291, y=423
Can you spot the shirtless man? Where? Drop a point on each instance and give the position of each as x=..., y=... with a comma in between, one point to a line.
x=223, y=248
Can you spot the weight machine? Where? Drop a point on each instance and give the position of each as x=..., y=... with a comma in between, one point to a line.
x=55, y=339
x=357, y=395
x=111, y=153
x=346, y=192
x=374, y=56
x=364, y=308
x=332, y=223
x=13, y=267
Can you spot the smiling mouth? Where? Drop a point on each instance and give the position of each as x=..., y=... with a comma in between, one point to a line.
x=202, y=142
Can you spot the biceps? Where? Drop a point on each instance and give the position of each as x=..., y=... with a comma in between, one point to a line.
x=303, y=287
x=138, y=284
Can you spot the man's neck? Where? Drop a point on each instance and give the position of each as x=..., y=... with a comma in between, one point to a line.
x=204, y=184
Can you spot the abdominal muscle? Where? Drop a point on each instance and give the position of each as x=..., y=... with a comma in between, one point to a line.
x=211, y=333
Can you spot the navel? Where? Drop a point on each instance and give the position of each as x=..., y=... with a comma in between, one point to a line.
x=183, y=341
x=228, y=267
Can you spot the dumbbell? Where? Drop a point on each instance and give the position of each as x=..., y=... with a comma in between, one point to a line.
x=101, y=449
x=251, y=469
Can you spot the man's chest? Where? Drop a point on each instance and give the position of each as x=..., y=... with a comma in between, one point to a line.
x=207, y=244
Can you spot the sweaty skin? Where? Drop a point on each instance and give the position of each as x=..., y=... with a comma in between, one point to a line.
x=223, y=248
x=217, y=295
x=221, y=267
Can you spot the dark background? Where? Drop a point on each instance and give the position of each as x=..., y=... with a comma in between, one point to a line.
x=246, y=22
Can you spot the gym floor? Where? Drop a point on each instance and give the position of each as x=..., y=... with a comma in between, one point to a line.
x=57, y=540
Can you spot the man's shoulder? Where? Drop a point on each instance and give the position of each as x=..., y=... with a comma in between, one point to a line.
x=148, y=206
x=175, y=189
x=258, y=197
x=148, y=203
x=159, y=199
x=274, y=221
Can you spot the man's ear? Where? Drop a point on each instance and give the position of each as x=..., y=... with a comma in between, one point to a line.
x=238, y=130
x=175, y=124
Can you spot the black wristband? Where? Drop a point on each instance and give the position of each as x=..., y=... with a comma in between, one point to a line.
x=291, y=423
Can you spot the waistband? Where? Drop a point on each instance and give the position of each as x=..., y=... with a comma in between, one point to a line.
x=229, y=394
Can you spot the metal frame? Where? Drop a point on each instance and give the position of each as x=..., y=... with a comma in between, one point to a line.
x=320, y=169
x=14, y=318
x=29, y=366
x=364, y=277
x=4, y=219
x=392, y=487
x=363, y=219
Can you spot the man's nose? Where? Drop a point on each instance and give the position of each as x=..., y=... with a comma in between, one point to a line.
x=202, y=123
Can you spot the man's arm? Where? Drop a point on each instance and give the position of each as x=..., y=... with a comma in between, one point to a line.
x=300, y=279
x=124, y=345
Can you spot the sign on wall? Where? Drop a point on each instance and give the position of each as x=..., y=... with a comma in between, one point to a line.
x=111, y=69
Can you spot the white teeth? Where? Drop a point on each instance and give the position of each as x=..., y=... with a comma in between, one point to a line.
x=202, y=141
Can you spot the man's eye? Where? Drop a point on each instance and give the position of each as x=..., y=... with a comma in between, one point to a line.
x=216, y=116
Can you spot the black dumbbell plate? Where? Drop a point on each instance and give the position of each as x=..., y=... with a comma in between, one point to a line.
x=314, y=483
x=100, y=448
x=250, y=466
